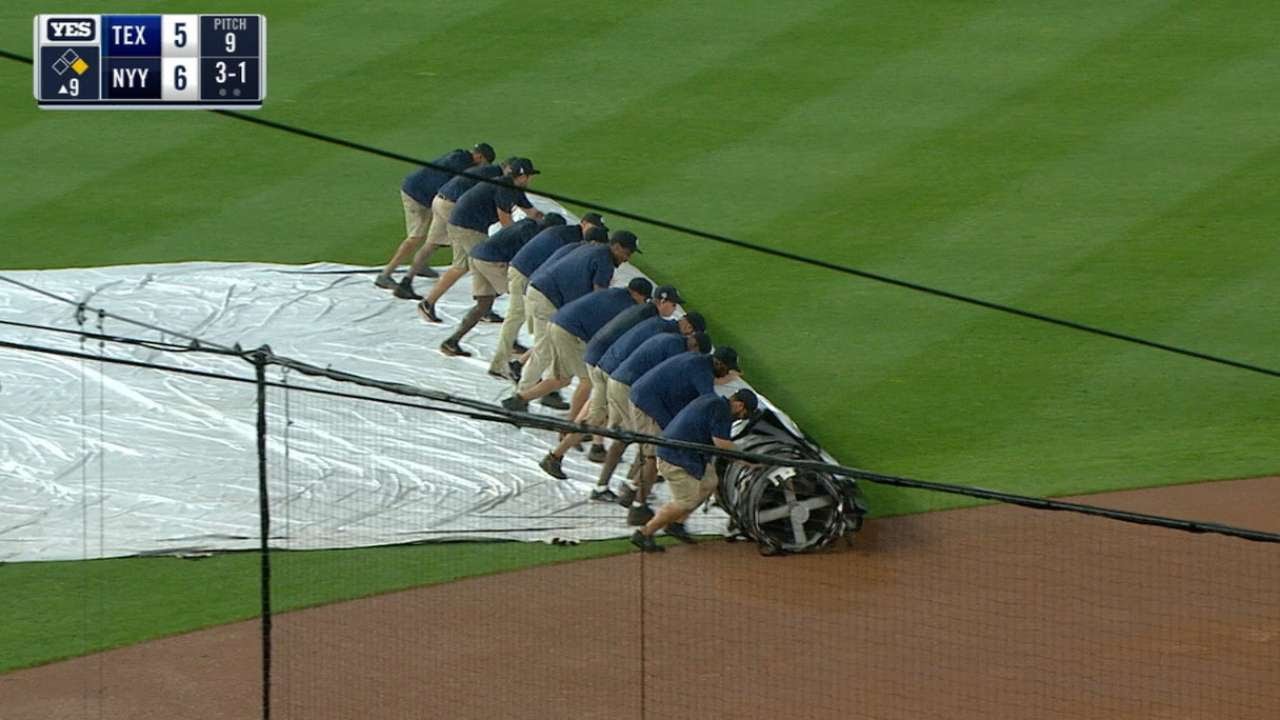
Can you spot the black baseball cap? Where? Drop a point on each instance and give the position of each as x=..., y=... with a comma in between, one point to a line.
x=748, y=398
x=595, y=234
x=595, y=219
x=626, y=239
x=667, y=292
x=696, y=321
x=552, y=220
x=703, y=342
x=486, y=150
x=523, y=166
x=727, y=355
x=640, y=285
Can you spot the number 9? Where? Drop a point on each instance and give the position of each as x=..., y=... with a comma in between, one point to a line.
x=73, y=87
x=231, y=42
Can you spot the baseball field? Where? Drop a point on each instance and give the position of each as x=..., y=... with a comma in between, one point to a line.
x=1116, y=165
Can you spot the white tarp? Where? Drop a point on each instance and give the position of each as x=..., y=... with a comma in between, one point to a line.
x=100, y=460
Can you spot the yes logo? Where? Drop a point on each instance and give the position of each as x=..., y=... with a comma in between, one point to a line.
x=70, y=28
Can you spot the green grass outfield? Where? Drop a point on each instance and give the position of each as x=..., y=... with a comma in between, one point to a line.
x=1117, y=164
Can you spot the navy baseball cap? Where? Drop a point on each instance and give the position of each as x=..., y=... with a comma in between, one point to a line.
x=486, y=150
x=667, y=292
x=640, y=285
x=552, y=220
x=595, y=234
x=703, y=341
x=595, y=219
x=748, y=398
x=626, y=239
x=727, y=355
x=523, y=166
x=696, y=321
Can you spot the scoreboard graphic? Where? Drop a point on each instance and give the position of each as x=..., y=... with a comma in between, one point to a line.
x=197, y=62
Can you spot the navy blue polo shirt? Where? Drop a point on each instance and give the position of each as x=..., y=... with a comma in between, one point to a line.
x=422, y=184
x=609, y=334
x=675, y=382
x=504, y=244
x=700, y=421
x=453, y=189
x=585, y=316
x=478, y=207
x=575, y=274
x=536, y=251
x=622, y=348
x=650, y=354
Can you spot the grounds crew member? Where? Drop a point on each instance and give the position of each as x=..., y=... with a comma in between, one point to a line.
x=570, y=273
x=441, y=208
x=417, y=194
x=691, y=475
x=663, y=392
x=489, y=272
x=529, y=259
x=477, y=209
x=560, y=349
x=617, y=395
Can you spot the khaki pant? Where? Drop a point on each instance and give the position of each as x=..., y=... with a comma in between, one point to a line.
x=559, y=352
x=516, y=284
x=598, y=403
x=438, y=232
x=463, y=240
x=540, y=310
x=417, y=217
x=488, y=278
x=687, y=491
x=618, y=397
x=642, y=423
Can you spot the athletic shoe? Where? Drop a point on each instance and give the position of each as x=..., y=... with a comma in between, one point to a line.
x=499, y=374
x=604, y=495
x=597, y=454
x=627, y=495
x=639, y=515
x=515, y=402
x=429, y=273
x=453, y=349
x=385, y=282
x=404, y=291
x=645, y=543
x=518, y=349
x=492, y=317
x=550, y=465
x=679, y=532
x=554, y=401
x=427, y=312
x=514, y=367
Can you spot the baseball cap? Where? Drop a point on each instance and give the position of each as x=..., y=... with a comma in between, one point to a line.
x=595, y=219
x=748, y=398
x=667, y=292
x=640, y=285
x=595, y=234
x=703, y=341
x=552, y=220
x=727, y=355
x=696, y=321
x=523, y=166
x=626, y=239
x=486, y=150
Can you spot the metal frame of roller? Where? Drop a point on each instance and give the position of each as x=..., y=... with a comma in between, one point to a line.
x=784, y=509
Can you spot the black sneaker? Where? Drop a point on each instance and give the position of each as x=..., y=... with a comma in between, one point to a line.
x=452, y=348
x=385, y=282
x=626, y=496
x=518, y=349
x=597, y=454
x=428, y=272
x=515, y=402
x=604, y=495
x=645, y=543
x=639, y=515
x=428, y=312
x=514, y=367
x=492, y=317
x=498, y=374
x=679, y=532
x=554, y=401
x=404, y=291
x=550, y=465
